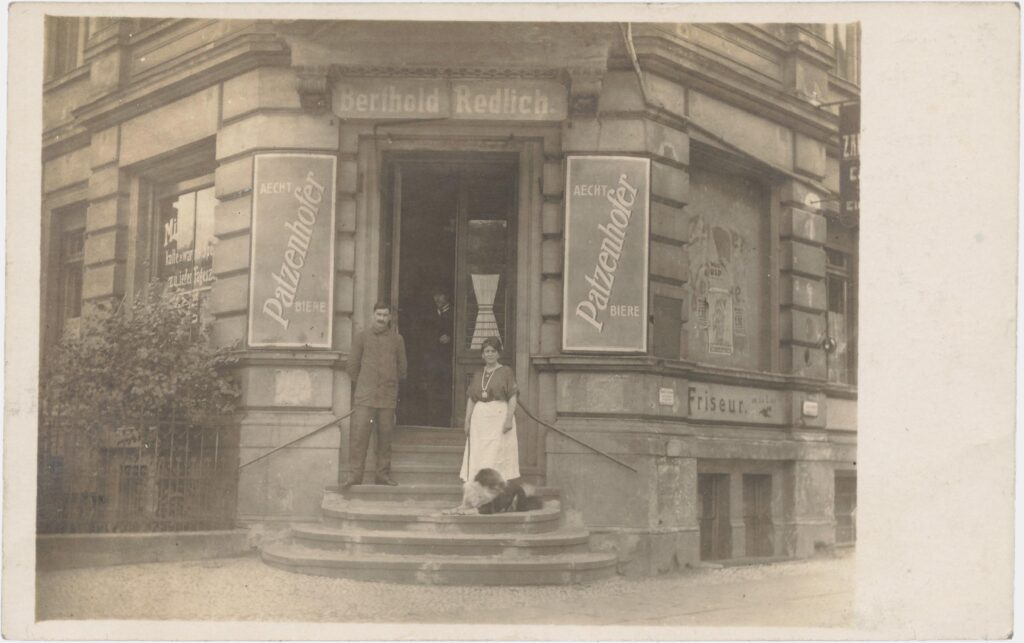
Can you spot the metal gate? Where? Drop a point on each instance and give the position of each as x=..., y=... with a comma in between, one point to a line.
x=151, y=474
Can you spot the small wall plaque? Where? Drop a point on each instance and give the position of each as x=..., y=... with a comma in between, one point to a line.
x=666, y=396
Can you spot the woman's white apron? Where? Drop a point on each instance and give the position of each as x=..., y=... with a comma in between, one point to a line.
x=487, y=446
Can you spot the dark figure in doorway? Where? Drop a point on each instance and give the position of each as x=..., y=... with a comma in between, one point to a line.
x=376, y=366
x=439, y=361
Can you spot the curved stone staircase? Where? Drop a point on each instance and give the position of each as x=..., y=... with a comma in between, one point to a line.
x=399, y=534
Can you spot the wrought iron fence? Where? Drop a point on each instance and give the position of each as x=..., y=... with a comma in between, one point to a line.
x=146, y=475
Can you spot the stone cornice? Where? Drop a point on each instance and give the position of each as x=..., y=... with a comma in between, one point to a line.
x=79, y=73
x=232, y=57
x=725, y=81
x=64, y=139
x=342, y=71
x=821, y=58
x=761, y=36
x=689, y=370
x=281, y=357
x=842, y=85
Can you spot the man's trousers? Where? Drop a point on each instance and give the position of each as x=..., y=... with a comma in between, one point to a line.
x=359, y=441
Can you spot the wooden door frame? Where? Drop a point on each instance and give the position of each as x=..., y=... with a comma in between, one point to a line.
x=374, y=209
x=395, y=167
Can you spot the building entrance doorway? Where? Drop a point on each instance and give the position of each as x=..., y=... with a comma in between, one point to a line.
x=450, y=274
x=757, y=514
x=713, y=516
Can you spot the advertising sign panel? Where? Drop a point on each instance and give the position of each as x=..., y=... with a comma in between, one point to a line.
x=606, y=254
x=291, y=289
x=849, y=162
x=735, y=403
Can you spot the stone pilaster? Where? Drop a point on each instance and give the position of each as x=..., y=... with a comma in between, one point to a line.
x=106, y=52
x=660, y=533
x=286, y=393
x=552, y=247
x=807, y=62
x=810, y=496
x=106, y=242
x=802, y=296
x=633, y=129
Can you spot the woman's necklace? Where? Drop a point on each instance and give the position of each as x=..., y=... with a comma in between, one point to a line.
x=485, y=381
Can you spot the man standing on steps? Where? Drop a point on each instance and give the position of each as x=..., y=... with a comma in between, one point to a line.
x=376, y=366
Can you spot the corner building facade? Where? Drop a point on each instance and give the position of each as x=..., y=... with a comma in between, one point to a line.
x=447, y=146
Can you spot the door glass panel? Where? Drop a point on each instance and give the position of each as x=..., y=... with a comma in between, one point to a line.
x=486, y=246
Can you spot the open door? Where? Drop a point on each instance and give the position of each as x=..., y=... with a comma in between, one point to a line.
x=453, y=232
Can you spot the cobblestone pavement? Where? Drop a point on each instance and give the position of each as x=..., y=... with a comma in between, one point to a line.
x=813, y=593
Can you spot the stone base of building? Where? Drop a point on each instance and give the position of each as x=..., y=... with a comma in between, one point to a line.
x=66, y=551
x=649, y=552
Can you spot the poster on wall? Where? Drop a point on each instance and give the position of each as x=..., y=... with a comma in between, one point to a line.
x=291, y=290
x=606, y=254
x=720, y=321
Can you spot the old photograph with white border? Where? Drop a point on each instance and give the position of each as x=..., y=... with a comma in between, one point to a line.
x=511, y=321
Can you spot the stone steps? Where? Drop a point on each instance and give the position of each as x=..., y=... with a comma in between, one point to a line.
x=444, y=493
x=504, y=543
x=560, y=569
x=428, y=436
x=427, y=517
x=416, y=474
x=401, y=534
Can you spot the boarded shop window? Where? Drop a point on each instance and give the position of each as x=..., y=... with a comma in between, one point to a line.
x=757, y=514
x=65, y=41
x=667, y=326
x=185, y=238
x=71, y=269
x=727, y=260
x=846, y=508
x=713, y=516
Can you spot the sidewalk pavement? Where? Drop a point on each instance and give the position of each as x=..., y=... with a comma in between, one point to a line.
x=810, y=593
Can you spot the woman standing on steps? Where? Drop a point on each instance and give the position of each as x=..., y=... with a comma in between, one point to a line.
x=491, y=440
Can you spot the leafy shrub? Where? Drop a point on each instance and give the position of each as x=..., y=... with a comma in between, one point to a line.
x=151, y=358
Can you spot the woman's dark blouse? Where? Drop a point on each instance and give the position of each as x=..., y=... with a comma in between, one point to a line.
x=501, y=386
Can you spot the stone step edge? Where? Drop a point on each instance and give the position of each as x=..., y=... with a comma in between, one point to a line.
x=320, y=532
x=423, y=489
x=407, y=447
x=294, y=555
x=552, y=512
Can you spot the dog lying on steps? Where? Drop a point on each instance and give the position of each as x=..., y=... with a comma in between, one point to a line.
x=489, y=493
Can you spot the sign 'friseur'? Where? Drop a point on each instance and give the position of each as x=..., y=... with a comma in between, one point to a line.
x=606, y=254
x=292, y=280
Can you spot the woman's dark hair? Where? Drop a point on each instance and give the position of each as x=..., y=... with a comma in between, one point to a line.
x=493, y=342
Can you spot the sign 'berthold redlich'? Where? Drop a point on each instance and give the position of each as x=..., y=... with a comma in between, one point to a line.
x=606, y=254
x=291, y=292
x=460, y=99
